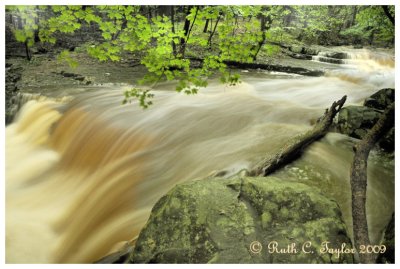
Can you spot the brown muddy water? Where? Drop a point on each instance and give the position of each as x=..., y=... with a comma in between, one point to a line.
x=82, y=175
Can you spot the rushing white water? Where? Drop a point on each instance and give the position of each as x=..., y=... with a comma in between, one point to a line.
x=82, y=177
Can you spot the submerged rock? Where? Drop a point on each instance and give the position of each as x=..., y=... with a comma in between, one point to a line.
x=237, y=220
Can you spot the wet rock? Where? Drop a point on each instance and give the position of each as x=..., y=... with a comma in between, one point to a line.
x=355, y=121
x=296, y=49
x=72, y=75
x=277, y=67
x=381, y=99
x=13, y=75
x=215, y=221
x=387, y=142
x=304, y=50
x=311, y=51
x=336, y=55
x=388, y=242
x=328, y=60
x=300, y=56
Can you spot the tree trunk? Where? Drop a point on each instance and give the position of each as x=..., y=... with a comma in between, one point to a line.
x=36, y=38
x=206, y=26
x=27, y=51
x=354, y=15
x=358, y=181
x=149, y=13
x=213, y=31
x=191, y=26
x=295, y=147
x=186, y=31
x=173, y=29
x=263, y=36
x=388, y=14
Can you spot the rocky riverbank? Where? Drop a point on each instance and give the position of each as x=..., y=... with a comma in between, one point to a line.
x=50, y=76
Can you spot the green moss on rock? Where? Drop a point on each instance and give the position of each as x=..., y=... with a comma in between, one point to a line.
x=215, y=220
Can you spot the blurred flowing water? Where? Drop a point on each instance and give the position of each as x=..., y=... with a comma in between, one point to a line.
x=83, y=175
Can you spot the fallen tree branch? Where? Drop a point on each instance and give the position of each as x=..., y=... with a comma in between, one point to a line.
x=358, y=181
x=295, y=147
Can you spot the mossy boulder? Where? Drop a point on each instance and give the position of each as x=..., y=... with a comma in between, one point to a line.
x=381, y=99
x=215, y=220
x=355, y=121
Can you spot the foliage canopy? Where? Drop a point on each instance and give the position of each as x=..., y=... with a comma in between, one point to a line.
x=191, y=43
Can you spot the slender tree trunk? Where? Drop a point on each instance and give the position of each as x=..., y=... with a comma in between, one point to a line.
x=388, y=14
x=261, y=42
x=213, y=32
x=149, y=13
x=264, y=20
x=191, y=26
x=206, y=26
x=20, y=26
x=354, y=15
x=36, y=32
x=186, y=27
x=27, y=51
x=173, y=28
x=295, y=146
x=371, y=37
x=358, y=181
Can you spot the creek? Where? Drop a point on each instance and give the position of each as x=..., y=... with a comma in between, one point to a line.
x=82, y=175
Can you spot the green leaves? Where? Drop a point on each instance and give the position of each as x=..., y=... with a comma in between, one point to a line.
x=105, y=51
x=231, y=79
x=21, y=35
x=65, y=56
x=142, y=96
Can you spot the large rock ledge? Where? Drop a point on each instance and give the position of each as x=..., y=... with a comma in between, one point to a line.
x=215, y=220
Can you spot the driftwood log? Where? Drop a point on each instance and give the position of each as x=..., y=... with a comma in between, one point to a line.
x=294, y=147
x=358, y=181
